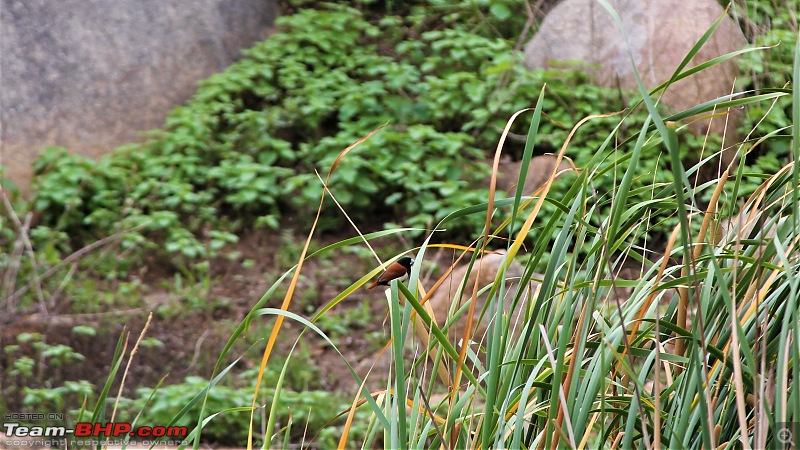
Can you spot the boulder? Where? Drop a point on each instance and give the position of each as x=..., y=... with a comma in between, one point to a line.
x=91, y=75
x=539, y=171
x=582, y=34
x=448, y=293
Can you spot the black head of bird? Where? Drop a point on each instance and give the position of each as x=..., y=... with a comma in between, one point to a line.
x=398, y=269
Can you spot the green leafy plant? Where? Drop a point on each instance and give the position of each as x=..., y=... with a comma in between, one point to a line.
x=242, y=153
x=307, y=408
x=766, y=24
x=34, y=362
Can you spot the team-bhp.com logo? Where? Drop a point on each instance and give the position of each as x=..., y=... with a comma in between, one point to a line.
x=98, y=430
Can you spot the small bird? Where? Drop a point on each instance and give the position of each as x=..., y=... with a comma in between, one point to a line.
x=398, y=269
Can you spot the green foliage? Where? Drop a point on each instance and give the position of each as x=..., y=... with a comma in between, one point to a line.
x=307, y=408
x=57, y=398
x=346, y=322
x=34, y=369
x=773, y=26
x=244, y=151
x=84, y=330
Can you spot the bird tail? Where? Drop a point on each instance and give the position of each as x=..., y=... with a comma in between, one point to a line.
x=372, y=285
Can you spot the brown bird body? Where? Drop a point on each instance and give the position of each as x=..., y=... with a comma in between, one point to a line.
x=398, y=269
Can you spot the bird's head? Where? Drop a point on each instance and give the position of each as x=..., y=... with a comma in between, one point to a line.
x=406, y=262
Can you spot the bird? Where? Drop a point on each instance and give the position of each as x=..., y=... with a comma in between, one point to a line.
x=398, y=269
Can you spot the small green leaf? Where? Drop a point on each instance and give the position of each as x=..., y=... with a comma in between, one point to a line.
x=500, y=11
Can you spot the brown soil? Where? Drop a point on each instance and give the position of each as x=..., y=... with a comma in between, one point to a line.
x=193, y=337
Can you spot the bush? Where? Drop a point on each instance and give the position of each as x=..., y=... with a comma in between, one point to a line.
x=310, y=410
x=243, y=151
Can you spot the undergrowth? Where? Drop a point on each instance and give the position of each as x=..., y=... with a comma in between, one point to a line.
x=243, y=152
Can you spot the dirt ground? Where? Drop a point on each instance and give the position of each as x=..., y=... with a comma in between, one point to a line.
x=194, y=337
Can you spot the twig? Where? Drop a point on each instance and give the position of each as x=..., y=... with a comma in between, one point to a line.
x=10, y=278
x=74, y=256
x=130, y=361
x=197, y=350
x=57, y=293
x=23, y=234
x=433, y=419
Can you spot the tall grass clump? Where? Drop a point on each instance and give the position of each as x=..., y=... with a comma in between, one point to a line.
x=698, y=350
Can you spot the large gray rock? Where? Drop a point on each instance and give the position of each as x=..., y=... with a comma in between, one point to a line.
x=93, y=74
x=661, y=33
